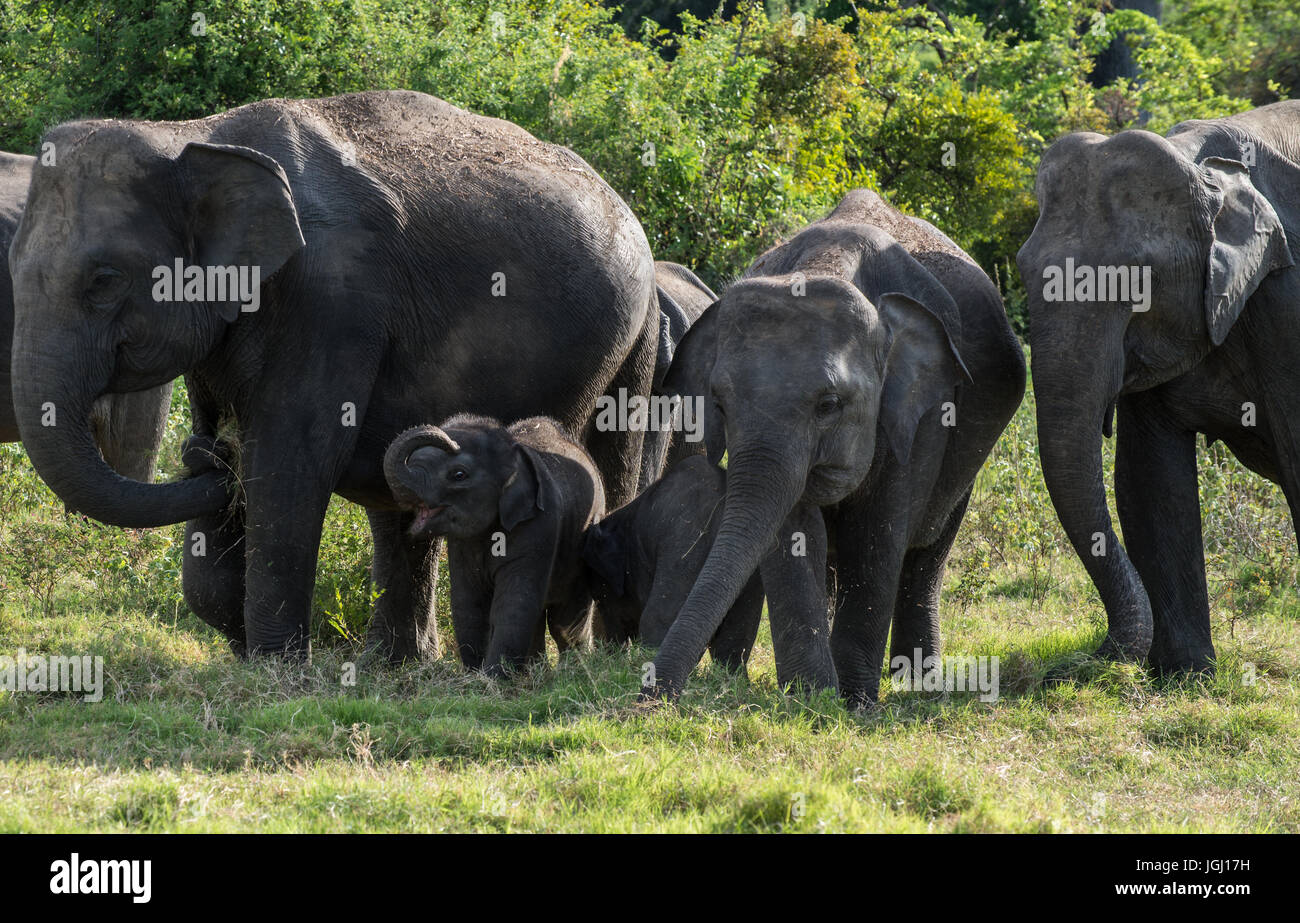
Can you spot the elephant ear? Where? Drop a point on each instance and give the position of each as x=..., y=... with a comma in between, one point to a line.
x=1248, y=243
x=922, y=368
x=605, y=551
x=525, y=493
x=240, y=210
x=689, y=374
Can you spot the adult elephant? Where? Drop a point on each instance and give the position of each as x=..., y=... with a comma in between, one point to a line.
x=415, y=261
x=682, y=298
x=1202, y=225
x=857, y=376
x=128, y=428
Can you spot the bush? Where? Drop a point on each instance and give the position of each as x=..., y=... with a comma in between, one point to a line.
x=722, y=136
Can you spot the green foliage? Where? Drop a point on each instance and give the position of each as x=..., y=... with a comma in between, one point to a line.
x=45, y=550
x=723, y=134
x=156, y=60
x=1010, y=525
x=1255, y=44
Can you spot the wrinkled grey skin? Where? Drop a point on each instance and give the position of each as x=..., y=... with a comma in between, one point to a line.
x=514, y=503
x=128, y=428
x=644, y=558
x=382, y=223
x=682, y=298
x=1221, y=332
x=829, y=406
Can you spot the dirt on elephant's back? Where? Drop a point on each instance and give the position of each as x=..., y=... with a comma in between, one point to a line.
x=918, y=237
x=431, y=130
x=400, y=134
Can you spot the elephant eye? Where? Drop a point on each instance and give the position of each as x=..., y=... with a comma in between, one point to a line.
x=457, y=474
x=105, y=287
x=828, y=404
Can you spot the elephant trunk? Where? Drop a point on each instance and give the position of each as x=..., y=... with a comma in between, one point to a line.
x=1073, y=403
x=54, y=419
x=399, y=451
x=762, y=489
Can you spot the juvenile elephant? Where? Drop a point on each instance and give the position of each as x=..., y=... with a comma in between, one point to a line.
x=326, y=273
x=1162, y=280
x=514, y=503
x=644, y=558
x=857, y=377
x=127, y=428
x=682, y=298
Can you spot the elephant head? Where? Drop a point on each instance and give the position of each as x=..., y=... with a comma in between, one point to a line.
x=797, y=389
x=98, y=228
x=462, y=480
x=1139, y=264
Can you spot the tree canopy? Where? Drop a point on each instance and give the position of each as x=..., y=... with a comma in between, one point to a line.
x=724, y=125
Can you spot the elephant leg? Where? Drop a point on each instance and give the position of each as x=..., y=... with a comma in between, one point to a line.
x=282, y=545
x=212, y=574
x=471, y=606
x=537, y=646
x=664, y=601
x=518, y=616
x=212, y=561
x=870, y=549
x=1160, y=513
x=405, y=570
x=570, y=622
x=794, y=579
x=617, y=453
x=916, y=611
x=734, y=640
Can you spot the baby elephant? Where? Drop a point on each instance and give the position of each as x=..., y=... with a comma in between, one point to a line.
x=644, y=557
x=513, y=503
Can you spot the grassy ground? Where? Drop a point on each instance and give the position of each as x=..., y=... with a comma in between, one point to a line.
x=188, y=739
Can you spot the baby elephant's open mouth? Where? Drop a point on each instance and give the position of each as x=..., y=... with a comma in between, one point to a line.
x=424, y=517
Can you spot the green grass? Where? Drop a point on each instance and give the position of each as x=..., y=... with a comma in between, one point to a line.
x=189, y=739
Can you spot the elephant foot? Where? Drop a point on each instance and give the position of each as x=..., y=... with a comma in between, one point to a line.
x=384, y=648
x=652, y=697
x=861, y=701
x=808, y=683
x=1124, y=648
x=294, y=650
x=1183, y=662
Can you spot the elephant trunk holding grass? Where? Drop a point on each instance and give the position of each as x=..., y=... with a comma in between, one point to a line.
x=857, y=377
x=1163, y=289
x=127, y=428
x=325, y=273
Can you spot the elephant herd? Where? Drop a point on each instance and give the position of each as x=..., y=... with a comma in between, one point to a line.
x=443, y=304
